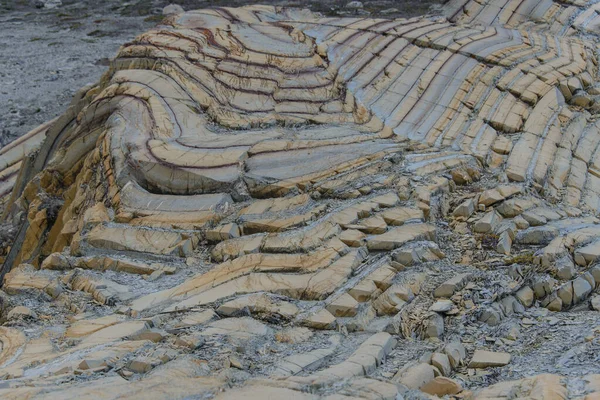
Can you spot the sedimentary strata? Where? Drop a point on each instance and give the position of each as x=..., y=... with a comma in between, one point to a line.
x=268, y=202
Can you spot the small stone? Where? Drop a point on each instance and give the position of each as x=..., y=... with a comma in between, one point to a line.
x=435, y=326
x=415, y=376
x=581, y=289
x=491, y=315
x=442, y=306
x=353, y=238
x=596, y=303
x=343, y=306
x=155, y=275
x=484, y=359
x=192, y=342
x=91, y=364
x=49, y=4
x=365, y=190
x=456, y=353
x=525, y=296
x=504, y=243
x=153, y=334
x=441, y=362
x=126, y=373
x=322, y=319
x=173, y=9
x=236, y=363
x=465, y=209
x=223, y=232
x=56, y=261
x=521, y=222
x=581, y=99
x=541, y=235
x=196, y=318
x=21, y=312
x=513, y=333
x=448, y=288
x=488, y=222
x=140, y=365
x=354, y=5
x=293, y=335
x=442, y=386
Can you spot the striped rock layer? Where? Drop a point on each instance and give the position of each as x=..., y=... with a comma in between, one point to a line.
x=346, y=192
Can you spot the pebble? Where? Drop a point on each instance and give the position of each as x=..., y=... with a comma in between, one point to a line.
x=442, y=306
x=172, y=9
x=21, y=312
x=354, y=4
x=484, y=359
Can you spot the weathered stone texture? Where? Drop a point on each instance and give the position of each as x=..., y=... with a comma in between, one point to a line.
x=263, y=202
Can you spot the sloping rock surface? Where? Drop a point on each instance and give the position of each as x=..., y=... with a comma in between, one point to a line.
x=264, y=202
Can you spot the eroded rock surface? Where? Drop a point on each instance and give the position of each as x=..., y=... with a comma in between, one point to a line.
x=268, y=202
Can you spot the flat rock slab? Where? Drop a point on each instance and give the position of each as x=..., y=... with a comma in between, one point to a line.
x=485, y=359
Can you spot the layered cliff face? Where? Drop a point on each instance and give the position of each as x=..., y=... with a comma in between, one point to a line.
x=263, y=202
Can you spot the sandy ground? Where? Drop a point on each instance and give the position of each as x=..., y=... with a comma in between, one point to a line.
x=47, y=54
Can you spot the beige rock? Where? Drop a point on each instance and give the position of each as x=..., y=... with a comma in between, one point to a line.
x=224, y=232
x=21, y=312
x=196, y=318
x=56, y=261
x=343, y=306
x=115, y=332
x=525, y=295
x=456, y=353
x=415, y=376
x=84, y=327
x=353, y=237
x=238, y=328
x=485, y=359
x=441, y=362
x=260, y=304
x=442, y=386
x=400, y=215
x=464, y=209
x=488, y=222
x=293, y=335
x=448, y=288
x=321, y=319
x=396, y=237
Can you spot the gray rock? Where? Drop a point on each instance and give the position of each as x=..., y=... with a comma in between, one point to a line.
x=581, y=289
x=488, y=222
x=442, y=306
x=537, y=235
x=354, y=4
x=465, y=209
x=456, y=353
x=484, y=359
x=504, y=243
x=525, y=296
x=172, y=9
x=435, y=326
x=448, y=288
x=491, y=315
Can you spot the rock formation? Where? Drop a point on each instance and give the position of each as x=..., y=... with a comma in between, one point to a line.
x=264, y=201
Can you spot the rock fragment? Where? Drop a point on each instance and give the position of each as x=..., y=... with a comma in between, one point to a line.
x=486, y=359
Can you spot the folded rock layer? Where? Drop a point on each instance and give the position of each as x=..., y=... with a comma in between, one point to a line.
x=263, y=201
